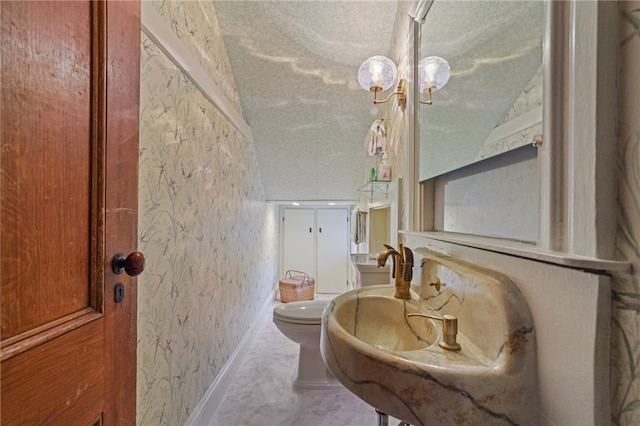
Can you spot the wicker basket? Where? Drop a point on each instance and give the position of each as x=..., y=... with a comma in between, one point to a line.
x=296, y=287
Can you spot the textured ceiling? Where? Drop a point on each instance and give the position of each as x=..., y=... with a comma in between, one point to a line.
x=295, y=67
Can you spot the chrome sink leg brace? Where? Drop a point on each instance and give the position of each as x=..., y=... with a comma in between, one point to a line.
x=383, y=419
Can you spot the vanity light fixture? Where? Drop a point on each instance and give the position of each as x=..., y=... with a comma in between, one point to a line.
x=434, y=73
x=379, y=73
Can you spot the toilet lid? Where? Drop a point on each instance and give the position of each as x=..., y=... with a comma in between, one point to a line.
x=303, y=312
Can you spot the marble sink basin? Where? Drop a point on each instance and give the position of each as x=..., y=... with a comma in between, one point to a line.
x=394, y=362
x=380, y=320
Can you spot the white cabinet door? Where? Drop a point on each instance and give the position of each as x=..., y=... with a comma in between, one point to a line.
x=299, y=241
x=332, y=250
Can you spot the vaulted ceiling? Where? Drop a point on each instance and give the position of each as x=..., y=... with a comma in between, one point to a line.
x=295, y=67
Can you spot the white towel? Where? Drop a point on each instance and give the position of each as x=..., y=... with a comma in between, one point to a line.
x=381, y=142
x=375, y=143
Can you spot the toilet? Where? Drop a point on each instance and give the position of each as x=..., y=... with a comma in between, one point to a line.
x=300, y=322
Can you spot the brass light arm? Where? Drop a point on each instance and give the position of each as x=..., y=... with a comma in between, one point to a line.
x=429, y=100
x=400, y=91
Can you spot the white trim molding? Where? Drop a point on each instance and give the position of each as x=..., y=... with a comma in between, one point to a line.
x=577, y=158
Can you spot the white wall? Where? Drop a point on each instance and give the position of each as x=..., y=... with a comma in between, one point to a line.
x=497, y=197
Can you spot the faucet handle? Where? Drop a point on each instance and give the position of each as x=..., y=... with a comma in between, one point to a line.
x=408, y=264
x=437, y=284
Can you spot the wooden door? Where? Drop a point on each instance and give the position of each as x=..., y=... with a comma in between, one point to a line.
x=69, y=155
x=299, y=241
x=332, y=250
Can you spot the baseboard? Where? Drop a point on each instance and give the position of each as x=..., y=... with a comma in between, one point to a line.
x=207, y=406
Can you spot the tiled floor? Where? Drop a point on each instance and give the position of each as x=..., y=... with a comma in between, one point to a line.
x=261, y=393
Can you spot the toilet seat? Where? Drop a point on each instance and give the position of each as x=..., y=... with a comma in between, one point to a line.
x=307, y=312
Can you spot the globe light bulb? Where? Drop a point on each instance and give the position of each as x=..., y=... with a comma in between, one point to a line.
x=377, y=73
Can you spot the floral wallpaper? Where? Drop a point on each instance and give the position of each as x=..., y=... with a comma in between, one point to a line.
x=625, y=322
x=209, y=237
x=196, y=25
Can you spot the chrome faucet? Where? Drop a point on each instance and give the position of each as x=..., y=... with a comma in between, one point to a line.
x=402, y=268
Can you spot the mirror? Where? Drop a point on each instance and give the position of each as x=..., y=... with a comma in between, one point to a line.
x=493, y=100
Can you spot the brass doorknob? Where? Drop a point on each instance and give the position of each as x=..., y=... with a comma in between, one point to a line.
x=133, y=264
